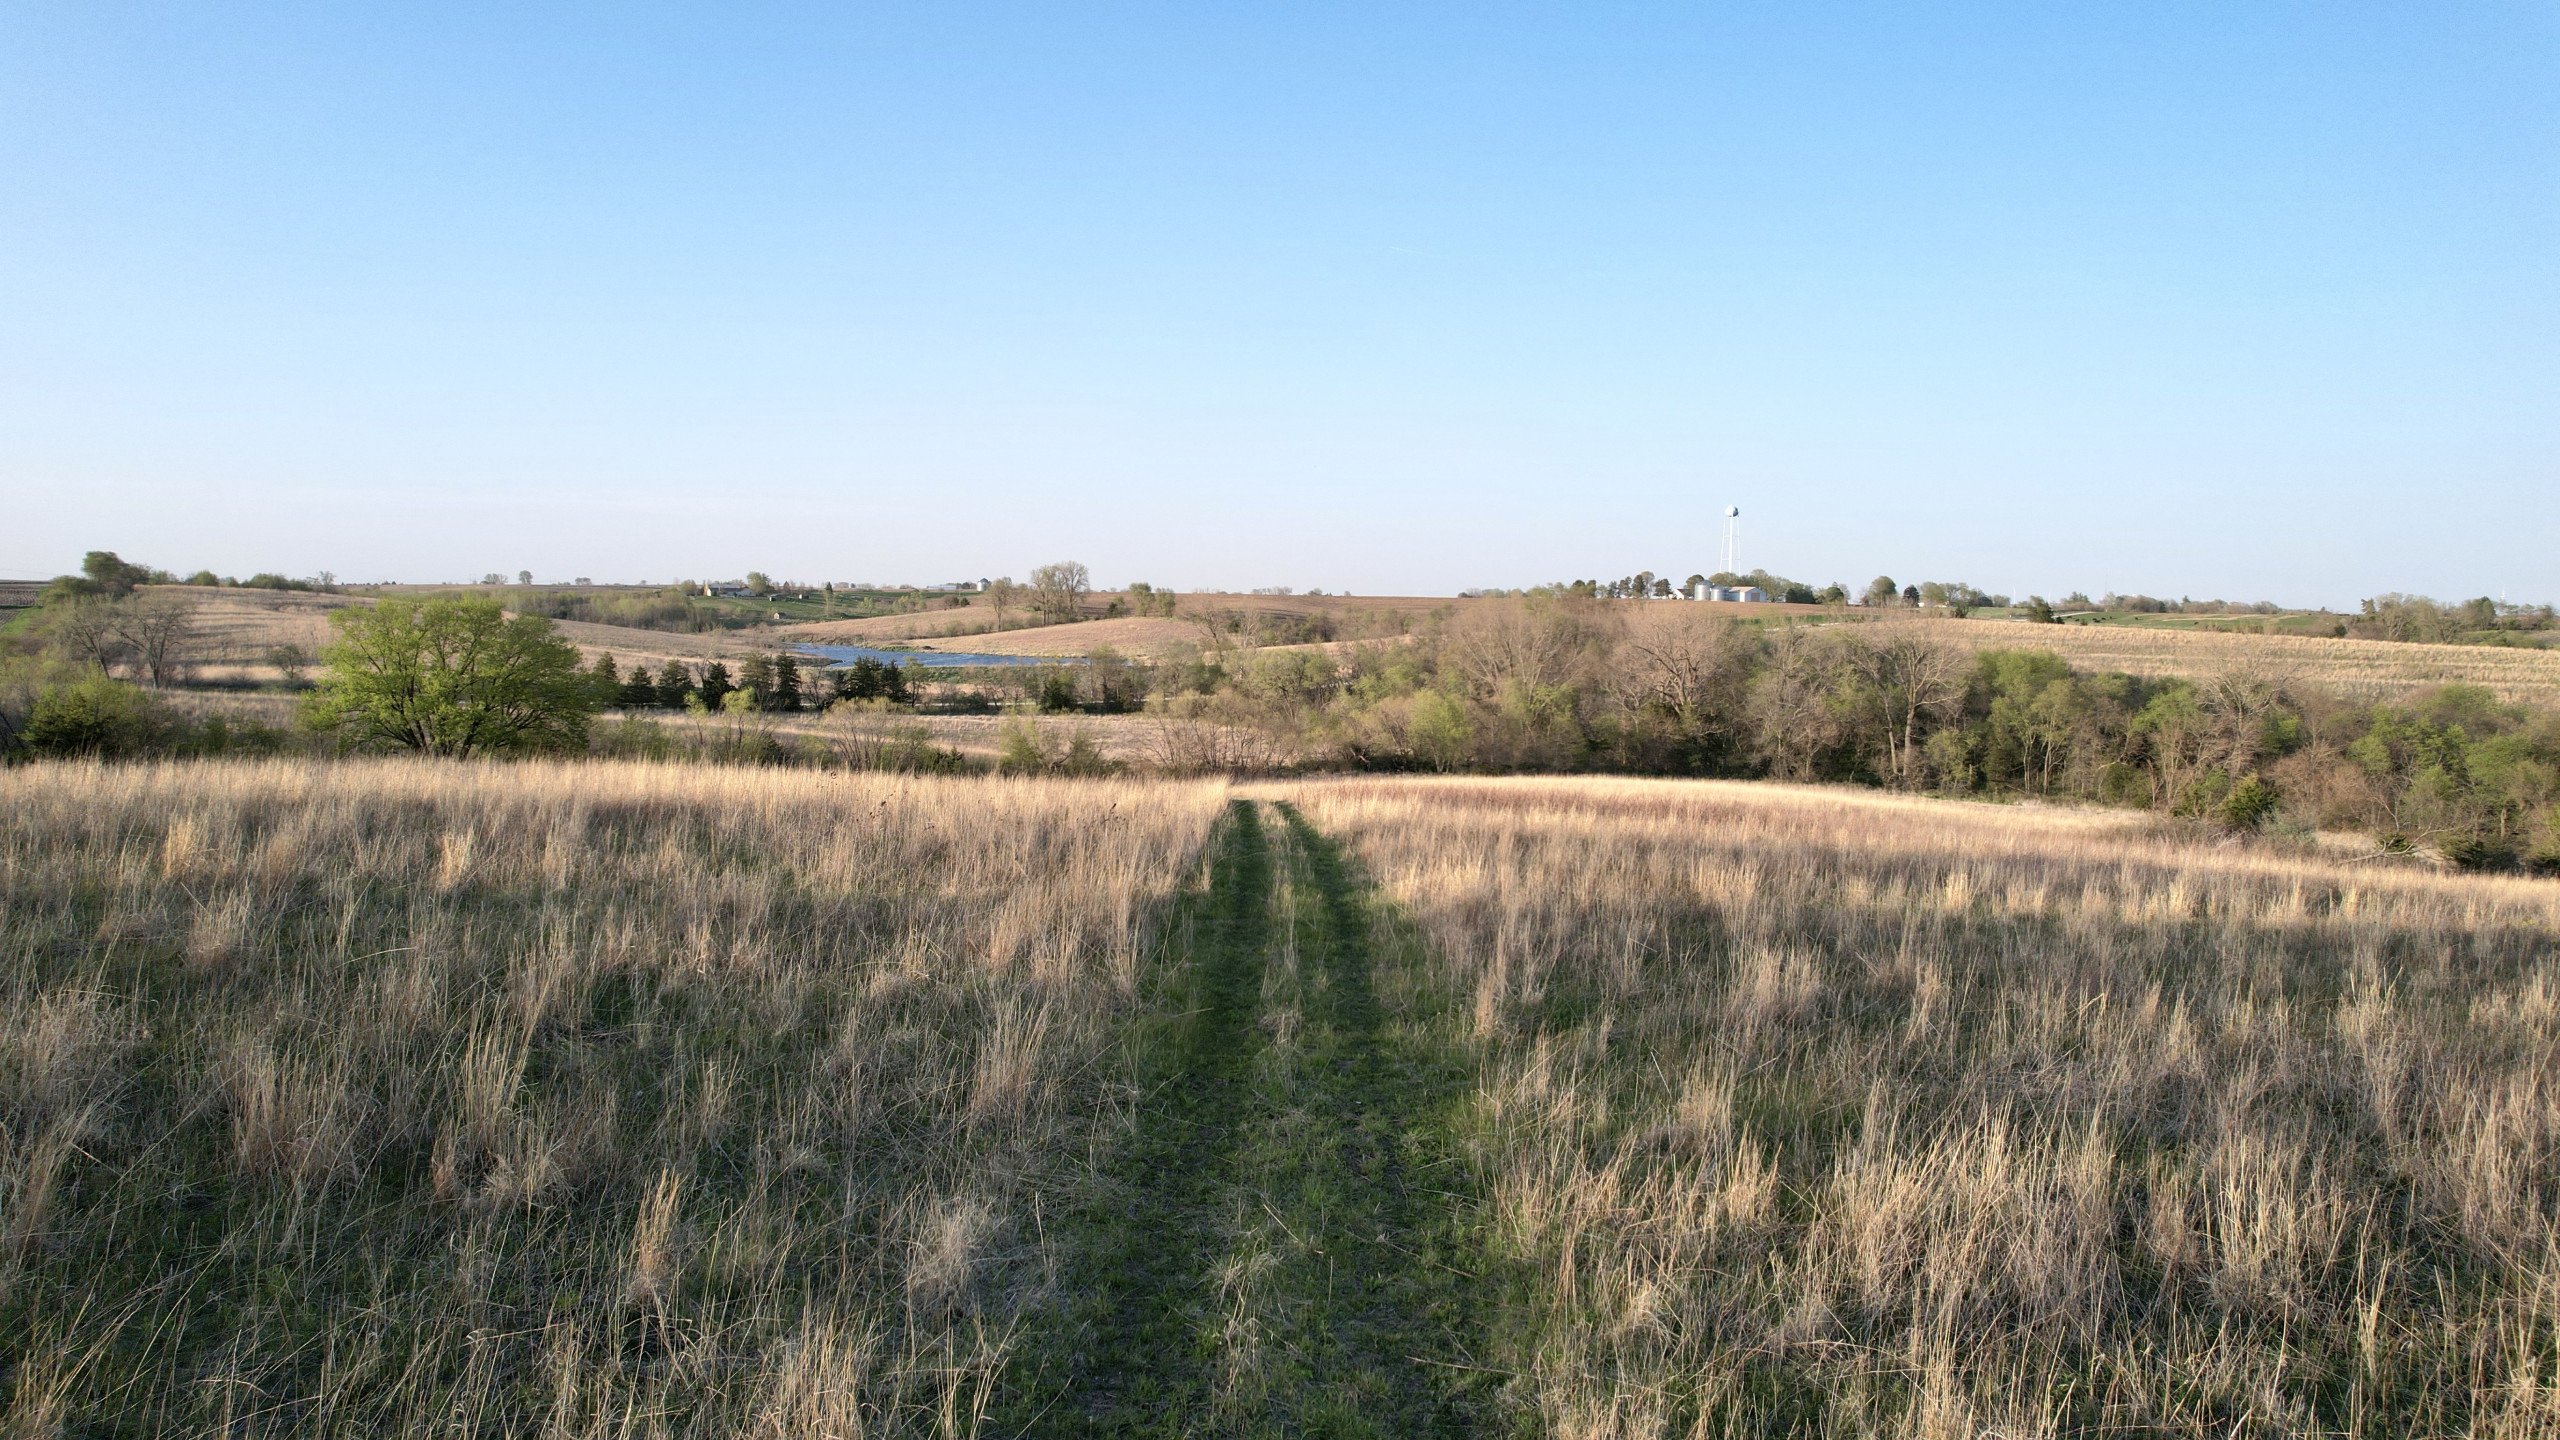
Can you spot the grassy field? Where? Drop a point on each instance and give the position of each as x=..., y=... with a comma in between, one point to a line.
x=581, y=1100
x=621, y=1099
x=1822, y=1113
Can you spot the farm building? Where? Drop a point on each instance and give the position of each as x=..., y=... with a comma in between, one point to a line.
x=1730, y=594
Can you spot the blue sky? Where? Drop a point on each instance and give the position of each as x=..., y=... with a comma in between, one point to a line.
x=2247, y=300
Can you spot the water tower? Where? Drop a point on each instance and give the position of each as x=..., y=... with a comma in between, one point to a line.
x=1733, y=539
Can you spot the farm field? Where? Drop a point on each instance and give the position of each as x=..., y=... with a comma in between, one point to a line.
x=240, y=626
x=1139, y=637
x=2355, y=669
x=537, y=1097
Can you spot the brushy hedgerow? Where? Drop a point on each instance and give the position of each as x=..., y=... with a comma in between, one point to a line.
x=1825, y=1113
x=574, y=1099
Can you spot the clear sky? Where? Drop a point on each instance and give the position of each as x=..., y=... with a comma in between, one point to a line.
x=2215, y=298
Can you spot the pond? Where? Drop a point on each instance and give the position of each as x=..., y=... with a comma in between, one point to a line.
x=930, y=659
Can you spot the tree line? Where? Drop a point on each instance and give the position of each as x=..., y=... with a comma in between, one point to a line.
x=1558, y=682
x=1553, y=682
x=766, y=682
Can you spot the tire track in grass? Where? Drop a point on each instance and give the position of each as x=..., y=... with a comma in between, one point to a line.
x=1138, y=1299
x=1369, y=1322
x=1403, y=1327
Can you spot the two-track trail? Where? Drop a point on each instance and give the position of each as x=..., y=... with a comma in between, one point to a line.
x=1280, y=1246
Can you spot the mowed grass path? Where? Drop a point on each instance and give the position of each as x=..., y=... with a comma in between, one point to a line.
x=1282, y=1247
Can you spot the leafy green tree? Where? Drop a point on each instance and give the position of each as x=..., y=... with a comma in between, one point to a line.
x=1146, y=599
x=1439, y=731
x=453, y=677
x=113, y=576
x=759, y=582
x=1880, y=591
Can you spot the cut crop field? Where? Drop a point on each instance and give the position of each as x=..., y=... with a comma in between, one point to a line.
x=622, y=1099
x=2356, y=669
x=239, y=626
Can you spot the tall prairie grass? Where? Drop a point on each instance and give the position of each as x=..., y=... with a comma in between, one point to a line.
x=564, y=1100
x=1833, y=1113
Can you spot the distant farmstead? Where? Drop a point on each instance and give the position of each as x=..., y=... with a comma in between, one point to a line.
x=1730, y=594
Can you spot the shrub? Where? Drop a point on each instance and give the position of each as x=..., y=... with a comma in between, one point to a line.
x=2249, y=804
x=2478, y=850
x=96, y=717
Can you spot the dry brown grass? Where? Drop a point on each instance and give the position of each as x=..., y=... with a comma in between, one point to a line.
x=239, y=627
x=575, y=1099
x=2355, y=669
x=1825, y=1112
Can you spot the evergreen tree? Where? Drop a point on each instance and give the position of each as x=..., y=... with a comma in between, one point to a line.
x=674, y=683
x=639, y=690
x=866, y=679
x=755, y=676
x=716, y=685
x=786, y=682
x=608, y=679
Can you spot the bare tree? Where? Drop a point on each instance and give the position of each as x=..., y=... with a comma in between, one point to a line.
x=1532, y=644
x=1909, y=680
x=83, y=629
x=1693, y=667
x=1005, y=596
x=1058, y=590
x=160, y=631
x=2238, y=701
x=1794, y=714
